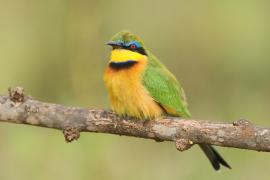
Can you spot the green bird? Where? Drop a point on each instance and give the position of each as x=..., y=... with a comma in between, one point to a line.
x=140, y=86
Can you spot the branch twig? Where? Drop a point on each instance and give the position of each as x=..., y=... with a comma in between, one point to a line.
x=21, y=109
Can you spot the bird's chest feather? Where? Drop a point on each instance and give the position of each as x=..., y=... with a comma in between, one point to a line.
x=127, y=94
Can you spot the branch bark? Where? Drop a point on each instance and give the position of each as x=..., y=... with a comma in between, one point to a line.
x=21, y=109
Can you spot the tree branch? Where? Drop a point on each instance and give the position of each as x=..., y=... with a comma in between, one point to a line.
x=21, y=109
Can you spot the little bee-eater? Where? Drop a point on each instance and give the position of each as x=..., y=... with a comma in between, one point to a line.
x=140, y=86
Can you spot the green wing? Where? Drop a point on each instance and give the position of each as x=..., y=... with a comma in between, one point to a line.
x=164, y=88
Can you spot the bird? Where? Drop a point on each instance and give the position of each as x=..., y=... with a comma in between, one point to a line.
x=139, y=85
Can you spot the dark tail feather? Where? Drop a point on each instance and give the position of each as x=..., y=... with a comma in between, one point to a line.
x=214, y=157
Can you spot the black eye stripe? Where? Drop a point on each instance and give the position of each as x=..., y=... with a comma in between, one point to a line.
x=139, y=50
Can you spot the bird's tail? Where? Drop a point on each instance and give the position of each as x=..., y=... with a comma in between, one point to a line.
x=214, y=157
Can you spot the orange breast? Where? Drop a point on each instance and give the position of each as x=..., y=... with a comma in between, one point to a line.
x=127, y=94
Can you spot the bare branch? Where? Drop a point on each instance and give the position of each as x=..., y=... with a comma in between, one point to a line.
x=18, y=108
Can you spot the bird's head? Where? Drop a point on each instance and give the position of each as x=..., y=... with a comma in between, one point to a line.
x=127, y=47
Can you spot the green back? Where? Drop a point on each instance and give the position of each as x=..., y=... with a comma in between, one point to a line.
x=164, y=87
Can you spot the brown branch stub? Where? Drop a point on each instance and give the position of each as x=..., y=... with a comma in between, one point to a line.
x=71, y=120
x=183, y=144
x=16, y=94
x=71, y=133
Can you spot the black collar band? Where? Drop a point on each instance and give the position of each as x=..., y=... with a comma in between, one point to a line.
x=122, y=65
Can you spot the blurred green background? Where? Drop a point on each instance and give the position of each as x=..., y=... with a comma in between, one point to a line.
x=55, y=49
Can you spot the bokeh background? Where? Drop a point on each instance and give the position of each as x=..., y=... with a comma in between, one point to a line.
x=55, y=49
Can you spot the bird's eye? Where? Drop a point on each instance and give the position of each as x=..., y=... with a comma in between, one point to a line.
x=133, y=46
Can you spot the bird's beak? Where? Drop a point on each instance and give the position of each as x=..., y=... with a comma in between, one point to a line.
x=114, y=43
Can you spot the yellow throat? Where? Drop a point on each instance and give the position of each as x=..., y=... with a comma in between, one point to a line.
x=122, y=55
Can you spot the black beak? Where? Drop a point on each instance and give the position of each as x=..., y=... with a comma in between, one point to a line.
x=113, y=43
